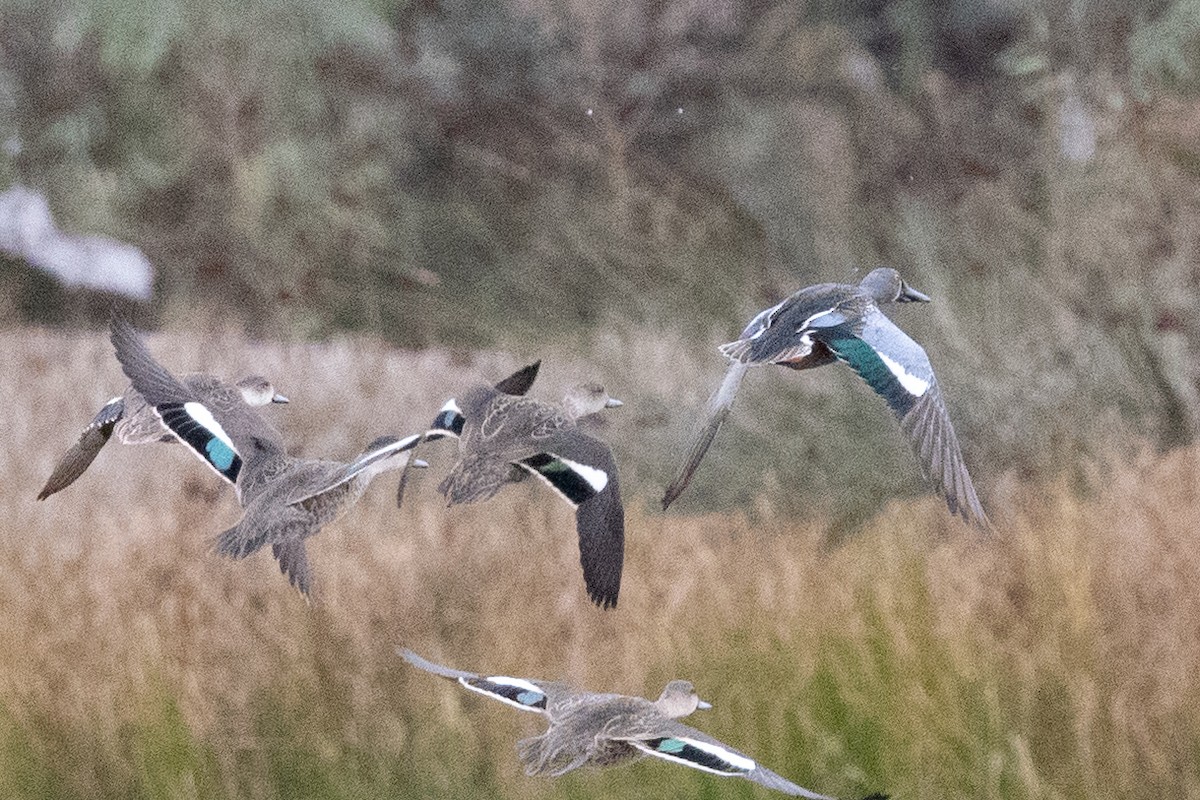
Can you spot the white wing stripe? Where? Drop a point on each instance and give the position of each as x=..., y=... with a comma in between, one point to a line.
x=519, y=683
x=202, y=416
x=506, y=681
x=596, y=478
x=913, y=384
x=738, y=763
x=809, y=322
x=548, y=482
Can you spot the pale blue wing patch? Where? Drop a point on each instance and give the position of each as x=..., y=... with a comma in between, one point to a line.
x=828, y=318
x=111, y=413
x=448, y=422
x=904, y=358
x=194, y=425
x=697, y=753
x=516, y=692
x=885, y=357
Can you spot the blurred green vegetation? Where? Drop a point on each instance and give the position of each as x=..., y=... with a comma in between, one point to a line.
x=621, y=185
x=526, y=173
x=542, y=175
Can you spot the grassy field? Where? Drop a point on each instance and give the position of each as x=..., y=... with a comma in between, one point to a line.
x=1059, y=659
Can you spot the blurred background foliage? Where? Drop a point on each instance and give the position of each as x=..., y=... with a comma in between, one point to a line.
x=518, y=173
x=616, y=187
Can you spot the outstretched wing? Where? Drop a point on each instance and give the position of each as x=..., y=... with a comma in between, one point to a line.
x=83, y=452
x=180, y=411
x=718, y=409
x=685, y=745
x=898, y=369
x=581, y=469
x=522, y=693
x=293, y=562
x=520, y=381
x=384, y=457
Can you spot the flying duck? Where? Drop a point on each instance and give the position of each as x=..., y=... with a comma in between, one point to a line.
x=286, y=499
x=131, y=421
x=833, y=322
x=603, y=730
x=503, y=438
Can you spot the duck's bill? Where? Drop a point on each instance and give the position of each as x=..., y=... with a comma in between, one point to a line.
x=911, y=295
x=613, y=402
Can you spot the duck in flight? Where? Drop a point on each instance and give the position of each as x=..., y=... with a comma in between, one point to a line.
x=833, y=322
x=132, y=421
x=603, y=730
x=286, y=499
x=504, y=437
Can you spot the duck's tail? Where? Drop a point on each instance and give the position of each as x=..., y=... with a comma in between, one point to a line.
x=718, y=410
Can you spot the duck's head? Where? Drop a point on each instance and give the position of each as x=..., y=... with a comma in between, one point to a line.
x=885, y=285
x=588, y=398
x=679, y=699
x=258, y=391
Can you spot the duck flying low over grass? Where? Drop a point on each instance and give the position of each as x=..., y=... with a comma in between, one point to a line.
x=833, y=322
x=504, y=438
x=299, y=496
x=286, y=499
x=133, y=422
x=604, y=730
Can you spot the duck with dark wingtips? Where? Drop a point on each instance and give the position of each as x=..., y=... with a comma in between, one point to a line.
x=132, y=421
x=833, y=322
x=603, y=730
x=286, y=499
x=503, y=438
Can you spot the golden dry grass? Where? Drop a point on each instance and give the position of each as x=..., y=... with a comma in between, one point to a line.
x=1058, y=659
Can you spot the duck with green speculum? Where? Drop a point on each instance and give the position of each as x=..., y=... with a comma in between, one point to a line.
x=504, y=438
x=603, y=730
x=833, y=322
x=286, y=499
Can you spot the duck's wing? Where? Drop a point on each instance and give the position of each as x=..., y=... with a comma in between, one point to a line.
x=898, y=369
x=522, y=693
x=181, y=412
x=683, y=744
x=448, y=424
x=718, y=410
x=450, y=421
x=226, y=403
x=784, y=334
x=293, y=562
x=520, y=381
x=582, y=470
x=83, y=452
x=392, y=455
